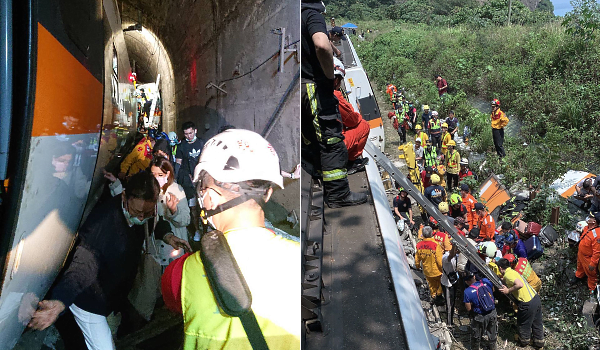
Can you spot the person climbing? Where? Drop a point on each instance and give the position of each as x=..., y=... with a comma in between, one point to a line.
x=452, y=167
x=356, y=129
x=441, y=84
x=435, y=131
x=499, y=121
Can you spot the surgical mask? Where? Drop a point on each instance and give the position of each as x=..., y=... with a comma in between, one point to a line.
x=132, y=219
x=192, y=140
x=162, y=180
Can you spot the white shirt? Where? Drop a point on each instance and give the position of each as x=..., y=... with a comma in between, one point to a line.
x=448, y=266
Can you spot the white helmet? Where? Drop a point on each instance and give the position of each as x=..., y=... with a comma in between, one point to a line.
x=464, y=161
x=338, y=67
x=580, y=226
x=434, y=113
x=237, y=155
x=488, y=248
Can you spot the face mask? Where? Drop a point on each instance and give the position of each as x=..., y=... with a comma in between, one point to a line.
x=162, y=180
x=132, y=219
x=193, y=140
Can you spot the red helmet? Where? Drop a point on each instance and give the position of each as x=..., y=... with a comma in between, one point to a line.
x=511, y=258
x=433, y=221
x=495, y=102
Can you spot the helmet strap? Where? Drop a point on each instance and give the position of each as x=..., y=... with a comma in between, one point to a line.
x=206, y=213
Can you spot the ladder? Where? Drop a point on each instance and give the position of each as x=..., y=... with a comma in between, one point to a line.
x=461, y=242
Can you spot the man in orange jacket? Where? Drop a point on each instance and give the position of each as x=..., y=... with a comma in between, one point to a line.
x=499, y=121
x=356, y=129
x=469, y=202
x=485, y=223
x=588, y=253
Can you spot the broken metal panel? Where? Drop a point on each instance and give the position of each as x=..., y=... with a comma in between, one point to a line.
x=492, y=193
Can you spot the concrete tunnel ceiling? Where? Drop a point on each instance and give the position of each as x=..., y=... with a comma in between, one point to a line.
x=227, y=43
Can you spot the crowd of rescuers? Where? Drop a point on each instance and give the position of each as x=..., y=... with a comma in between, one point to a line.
x=230, y=177
x=499, y=246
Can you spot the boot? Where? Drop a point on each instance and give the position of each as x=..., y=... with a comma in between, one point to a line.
x=357, y=165
x=574, y=281
x=538, y=343
x=353, y=198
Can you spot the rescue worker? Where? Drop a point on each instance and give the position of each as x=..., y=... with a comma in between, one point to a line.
x=426, y=177
x=138, y=159
x=403, y=206
x=485, y=223
x=395, y=101
x=412, y=116
x=459, y=223
x=529, y=304
x=587, y=191
x=435, y=193
x=464, y=169
x=452, y=165
x=445, y=138
x=233, y=183
x=457, y=208
x=499, y=121
x=429, y=258
x=482, y=321
x=391, y=90
x=321, y=123
x=420, y=134
x=441, y=237
x=469, y=202
x=523, y=267
x=515, y=244
x=356, y=129
x=435, y=131
x=401, y=126
x=588, y=253
x=430, y=154
x=425, y=117
x=449, y=280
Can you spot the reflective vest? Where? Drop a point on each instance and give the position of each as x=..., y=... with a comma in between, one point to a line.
x=430, y=157
x=423, y=136
x=434, y=125
x=445, y=139
x=269, y=265
x=453, y=163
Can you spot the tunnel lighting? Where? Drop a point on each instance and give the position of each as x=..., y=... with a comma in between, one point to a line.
x=137, y=27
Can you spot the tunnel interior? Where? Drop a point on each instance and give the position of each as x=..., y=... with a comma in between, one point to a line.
x=219, y=63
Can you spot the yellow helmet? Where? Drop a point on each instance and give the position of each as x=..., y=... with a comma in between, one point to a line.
x=425, y=107
x=418, y=127
x=444, y=125
x=435, y=179
x=443, y=207
x=451, y=143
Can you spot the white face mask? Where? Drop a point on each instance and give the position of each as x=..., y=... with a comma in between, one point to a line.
x=162, y=180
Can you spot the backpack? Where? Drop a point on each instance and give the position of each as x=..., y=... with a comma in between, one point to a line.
x=485, y=298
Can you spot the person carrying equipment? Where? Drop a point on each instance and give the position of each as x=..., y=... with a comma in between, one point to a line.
x=485, y=223
x=452, y=165
x=499, y=121
x=235, y=177
x=479, y=302
x=429, y=258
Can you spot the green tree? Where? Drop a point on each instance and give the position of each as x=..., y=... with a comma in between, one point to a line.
x=545, y=5
x=584, y=20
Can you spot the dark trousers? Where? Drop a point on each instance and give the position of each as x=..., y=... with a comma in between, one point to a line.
x=529, y=320
x=402, y=133
x=436, y=141
x=323, y=143
x=69, y=331
x=481, y=324
x=450, y=295
x=452, y=180
x=498, y=135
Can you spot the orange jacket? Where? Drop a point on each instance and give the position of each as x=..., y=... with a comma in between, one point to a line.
x=350, y=118
x=589, y=246
x=430, y=254
x=469, y=202
x=487, y=227
x=499, y=119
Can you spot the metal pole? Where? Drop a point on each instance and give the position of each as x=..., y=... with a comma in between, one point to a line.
x=509, y=10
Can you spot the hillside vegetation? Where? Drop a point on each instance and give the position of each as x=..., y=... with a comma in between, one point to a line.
x=548, y=78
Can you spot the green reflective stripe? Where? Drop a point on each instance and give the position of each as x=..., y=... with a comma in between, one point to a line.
x=335, y=174
x=306, y=142
x=333, y=140
x=312, y=97
x=430, y=157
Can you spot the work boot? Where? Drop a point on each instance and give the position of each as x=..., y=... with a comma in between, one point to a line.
x=574, y=281
x=357, y=165
x=353, y=198
x=439, y=300
x=522, y=342
x=538, y=343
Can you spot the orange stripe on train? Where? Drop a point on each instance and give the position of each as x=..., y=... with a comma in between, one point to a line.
x=68, y=98
x=375, y=123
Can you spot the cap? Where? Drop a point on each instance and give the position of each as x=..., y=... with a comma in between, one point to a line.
x=464, y=187
x=337, y=31
x=418, y=139
x=474, y=233
x=479, y=206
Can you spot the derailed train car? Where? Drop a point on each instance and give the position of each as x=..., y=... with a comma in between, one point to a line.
x=70, y=114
